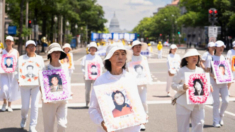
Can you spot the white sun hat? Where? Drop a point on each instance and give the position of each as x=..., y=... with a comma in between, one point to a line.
x=67, y=45
x=92, y=44
x=10, y=38
x=191, y=52
x=30, y=42
x=55, y=47
x=144, y=46
x=173, y=46
x=117, y=46
x=211, y=44
x=219, y=43
x=233, y=43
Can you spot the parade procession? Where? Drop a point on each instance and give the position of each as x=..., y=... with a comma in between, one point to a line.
x=117, y=66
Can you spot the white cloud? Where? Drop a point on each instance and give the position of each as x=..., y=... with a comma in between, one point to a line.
x=140, y=2
x=129, y=12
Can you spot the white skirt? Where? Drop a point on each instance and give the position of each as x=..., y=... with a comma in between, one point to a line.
x=9, y=88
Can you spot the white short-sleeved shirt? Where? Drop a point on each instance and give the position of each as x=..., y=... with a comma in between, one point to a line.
x=89, y=57
x=174, y=57
x=230, y=54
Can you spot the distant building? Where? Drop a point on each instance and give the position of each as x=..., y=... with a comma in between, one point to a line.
x=114, y=26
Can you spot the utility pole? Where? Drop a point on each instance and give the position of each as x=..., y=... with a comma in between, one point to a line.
x=2, y=20
x=21, y=26
x=27, y=15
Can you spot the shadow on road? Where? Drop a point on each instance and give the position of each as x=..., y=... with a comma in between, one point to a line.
x=161, y=96
x=78, y=107
x=12, y=130
x=207, y=126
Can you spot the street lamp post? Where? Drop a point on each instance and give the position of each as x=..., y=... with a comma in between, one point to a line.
x=55, y=20
x=76, y=27
x=67, y=31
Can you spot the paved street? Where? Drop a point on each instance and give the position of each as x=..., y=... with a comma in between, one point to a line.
x=162, y=116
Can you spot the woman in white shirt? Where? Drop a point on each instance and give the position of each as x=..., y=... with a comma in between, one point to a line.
x=30, y=91
x=219, y=89
x=173, y=63
x=207, y=55
x=115, y=63
x=137, y=47
x=9, y=88
x=185, y=112
x=92, y=56
x=55, y=110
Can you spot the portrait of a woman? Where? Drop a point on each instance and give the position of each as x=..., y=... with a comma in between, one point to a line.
x=121, y=107
x=198, y=86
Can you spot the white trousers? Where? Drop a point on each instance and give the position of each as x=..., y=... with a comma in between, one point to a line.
x=143, y=96
x=26, y=93
x=184, y=116
x=159, y=54
x=223, y=90
x=169, y=82
x=51, y=111
x=88, y=89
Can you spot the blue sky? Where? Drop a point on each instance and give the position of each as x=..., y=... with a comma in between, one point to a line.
x=130, y=12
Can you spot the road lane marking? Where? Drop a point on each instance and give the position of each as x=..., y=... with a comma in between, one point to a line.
x=226, y=112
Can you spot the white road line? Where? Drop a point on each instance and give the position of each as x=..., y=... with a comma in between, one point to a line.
x=83, y=84
x=226, y=112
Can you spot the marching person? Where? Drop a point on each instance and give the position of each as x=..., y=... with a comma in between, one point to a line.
x=172, y=57
x=57, y=109
x=115, y=64
x=1, y=47
x=206, y=55
x=9, y=88
x=70, y=63
x=137, y=47
x=219, y=89
x=92, y=56
x=185, y=112
x=33, y=91
x=159, y=48
x=230, y=55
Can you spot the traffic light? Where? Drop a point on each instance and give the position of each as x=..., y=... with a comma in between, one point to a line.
x=160, y=34
x=179, y=33
x=30, y=24
x=213, y=15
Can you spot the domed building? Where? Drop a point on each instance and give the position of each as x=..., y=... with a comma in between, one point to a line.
x=114, y=25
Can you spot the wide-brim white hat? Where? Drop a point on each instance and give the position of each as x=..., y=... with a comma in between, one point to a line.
x=117, y=46
x=144, y=46
x=191, y=52
x=92, y=44
x=30, y=42
x=219, y=43
x=55, y=47
x=173, y=46
x=211, y=44
x=67, y=45
x=10, y=38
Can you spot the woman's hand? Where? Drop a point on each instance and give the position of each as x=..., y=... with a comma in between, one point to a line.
x=212, y=89
x=104, y=126
x=185, y=87
x=170, y=74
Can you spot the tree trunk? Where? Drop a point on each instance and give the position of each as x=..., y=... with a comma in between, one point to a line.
x=20, y=28
x=51, y=32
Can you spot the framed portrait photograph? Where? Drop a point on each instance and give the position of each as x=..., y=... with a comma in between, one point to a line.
x=139, y=70
x=174, y=65
x=92, y=70
x=120, y=105
x=8, y=63
x=54, y=85
x=67, y=61
x=199, y=88
x=222, y=71
x=29, y=73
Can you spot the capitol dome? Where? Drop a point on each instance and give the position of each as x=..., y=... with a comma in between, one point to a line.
x=114, y=25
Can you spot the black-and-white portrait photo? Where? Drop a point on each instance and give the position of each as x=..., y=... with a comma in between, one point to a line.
x=140, y=71
x=94, y=70
x=198, y=87
x=55, y=83
x=29, y=71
